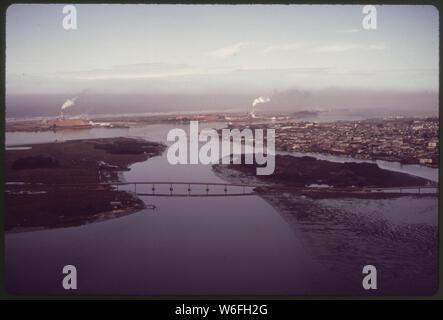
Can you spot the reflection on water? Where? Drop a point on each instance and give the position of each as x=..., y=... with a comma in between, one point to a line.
x=216, y=245
x=18, y=148
x=158, y=133
x=220, y=245
x=399, y=236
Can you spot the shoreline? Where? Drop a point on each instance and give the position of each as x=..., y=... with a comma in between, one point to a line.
x=33, y=202
x=343, y=239
x=305, y=173
x=347, y=158
x=135, y=121
x=234, y=176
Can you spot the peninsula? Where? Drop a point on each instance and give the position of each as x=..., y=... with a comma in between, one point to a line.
x=34, y=196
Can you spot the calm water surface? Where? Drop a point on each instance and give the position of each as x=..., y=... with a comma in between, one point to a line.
x=207, y=245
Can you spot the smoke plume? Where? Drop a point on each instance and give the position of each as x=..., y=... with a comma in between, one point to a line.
x=260, y=100
x=69, y=103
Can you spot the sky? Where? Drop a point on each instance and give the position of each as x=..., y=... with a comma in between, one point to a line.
x=219, y=48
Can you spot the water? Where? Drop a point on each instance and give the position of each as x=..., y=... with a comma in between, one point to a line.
x=18, y=148
x=158, y=133
x=215, y=245
x=223, y=245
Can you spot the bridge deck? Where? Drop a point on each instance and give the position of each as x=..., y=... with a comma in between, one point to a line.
x=207, y=184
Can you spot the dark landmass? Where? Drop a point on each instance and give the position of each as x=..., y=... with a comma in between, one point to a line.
x=32, y=200
x=104, y=122
x=305, y=114
x=35, y=162
x=58, y=125
x=304, y=171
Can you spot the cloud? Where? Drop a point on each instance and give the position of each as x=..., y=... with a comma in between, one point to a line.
x=132, y=72
x=151, y=66
x=286, y=47
x=282, y=71
x=347, y=47
x=351, y=30
x=377, y=47
x=134, y=76
x=336, y=48
x=227, y=51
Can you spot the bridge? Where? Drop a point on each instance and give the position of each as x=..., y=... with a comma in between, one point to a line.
x=199, y=189
x=188, y=188
x=419, y=189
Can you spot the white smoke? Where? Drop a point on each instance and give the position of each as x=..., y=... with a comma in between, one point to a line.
x=260, y=100
x=69, y=103
x=256, y=101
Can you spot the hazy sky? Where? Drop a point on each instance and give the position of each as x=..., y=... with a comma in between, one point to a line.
x=194, y=49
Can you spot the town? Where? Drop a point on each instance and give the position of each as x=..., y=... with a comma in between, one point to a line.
x=404, y=140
